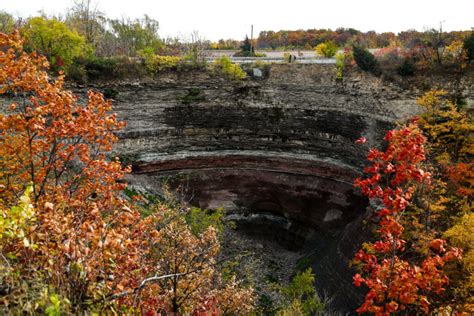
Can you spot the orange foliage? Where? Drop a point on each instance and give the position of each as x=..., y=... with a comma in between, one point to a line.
x=91, y=245
x=59, y=146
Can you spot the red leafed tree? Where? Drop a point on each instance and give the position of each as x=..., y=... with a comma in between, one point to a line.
x=396, y=281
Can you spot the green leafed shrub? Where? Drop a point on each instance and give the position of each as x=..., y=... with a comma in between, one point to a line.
x=229, y=69
x=340, y=62
x=300, y=296
x=110, y=93
x=93, y=68
x=193, y=95
x=99, y=68
x=156, y=63
x=77, y=72
x=199, y=220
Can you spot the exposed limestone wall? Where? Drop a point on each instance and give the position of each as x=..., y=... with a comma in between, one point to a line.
x=283, y=145
x=198, y=125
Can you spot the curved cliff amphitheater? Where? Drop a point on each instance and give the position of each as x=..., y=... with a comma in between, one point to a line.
x=277, y=154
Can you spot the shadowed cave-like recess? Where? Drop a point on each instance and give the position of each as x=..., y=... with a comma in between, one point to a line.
x=277, y=154
x=301, y=205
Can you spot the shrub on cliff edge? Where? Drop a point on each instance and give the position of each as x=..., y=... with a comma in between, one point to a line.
x=326, y=49
x=365, y=60
x=229, y=69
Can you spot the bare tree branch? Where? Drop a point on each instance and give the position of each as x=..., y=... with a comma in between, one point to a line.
x=142, y=285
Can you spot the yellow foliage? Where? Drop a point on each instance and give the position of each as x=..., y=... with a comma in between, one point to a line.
x=229, y=69
x=448, y=128
x=444, y=209
x=327, y=49
x=294, y=309
x=431, y=100
x=156, y=63
x=54, y=39
x=456, y=54
x=15, y=221
x=462, y=235
x=162, y=63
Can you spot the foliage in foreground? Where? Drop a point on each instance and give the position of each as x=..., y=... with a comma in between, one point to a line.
x=300, y=297
x=81, y=246
x=420, y=189
x=446, y=209
x=394, y=283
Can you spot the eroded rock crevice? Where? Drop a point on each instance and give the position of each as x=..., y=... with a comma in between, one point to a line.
x=301, y=206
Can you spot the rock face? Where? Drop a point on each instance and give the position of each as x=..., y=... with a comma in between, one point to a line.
x=283, y=145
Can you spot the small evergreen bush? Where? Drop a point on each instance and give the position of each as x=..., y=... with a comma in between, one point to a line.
x=365, y=60
x=469, y=46
x=407, y=68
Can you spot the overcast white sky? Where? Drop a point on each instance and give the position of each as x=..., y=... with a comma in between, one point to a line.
x=216, y=19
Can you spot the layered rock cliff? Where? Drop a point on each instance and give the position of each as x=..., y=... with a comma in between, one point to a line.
x=281, y=146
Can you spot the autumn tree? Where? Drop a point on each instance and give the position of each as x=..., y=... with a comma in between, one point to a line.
x=396, y=281
x=442, y=208
x=188, y=253
x=447, y=206
x=49, y=140
x=81, y=246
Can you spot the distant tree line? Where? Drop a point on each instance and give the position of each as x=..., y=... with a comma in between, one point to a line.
x=99, y=34
x=87, y=44
x=84, y=42
x=307, y=39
